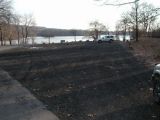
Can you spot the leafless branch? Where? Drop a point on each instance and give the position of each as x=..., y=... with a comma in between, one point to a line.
x=120, y=4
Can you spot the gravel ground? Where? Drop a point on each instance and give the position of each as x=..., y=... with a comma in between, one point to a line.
x=87, y=81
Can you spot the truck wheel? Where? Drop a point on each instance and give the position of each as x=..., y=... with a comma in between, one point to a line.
x=99, y=41
x=156, y=97
x=156, y=89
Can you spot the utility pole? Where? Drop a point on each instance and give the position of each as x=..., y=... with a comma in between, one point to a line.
x=137, y=29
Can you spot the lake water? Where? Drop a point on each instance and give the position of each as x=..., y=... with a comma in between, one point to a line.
x=57, y=39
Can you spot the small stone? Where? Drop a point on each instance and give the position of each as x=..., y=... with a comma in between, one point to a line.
x=91, y=115
x=49, y=96
x=154, y=116
x=46, y=105
x=69, y=115
x=95, y=88
x=117, y=95
x=67, y=90
x=151, y=89
x=70, y=87
x=141, y=88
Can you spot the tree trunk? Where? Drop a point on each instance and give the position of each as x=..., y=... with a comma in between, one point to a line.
x=18, y=38
x=96, y=34
x=10, y=42
x=49, y=40
x=1, y=37
x=26, y=34
x=124, y=34
x=22, y=35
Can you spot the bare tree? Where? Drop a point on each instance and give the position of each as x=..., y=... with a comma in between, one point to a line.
x=33, y=34
x=5, y=12
x=120, y=3
x=27, y=23
x=156, y=30
x=10, y=29
x=124, y=25
x=11, y=24
x=96, y=29
x=74, y=33
x=49, y=33
x=148, y=15
x=116, y=2
x=118, y=30
x=16, y=22
x=144, y=20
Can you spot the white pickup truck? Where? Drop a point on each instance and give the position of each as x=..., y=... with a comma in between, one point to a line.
x=106, y=38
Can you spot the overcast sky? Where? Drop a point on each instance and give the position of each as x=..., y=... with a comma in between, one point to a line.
x=72, y=14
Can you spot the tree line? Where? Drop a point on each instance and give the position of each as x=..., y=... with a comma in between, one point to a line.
x=141, y=20
x=146, y=21
x=14, y=26
x=51, y=32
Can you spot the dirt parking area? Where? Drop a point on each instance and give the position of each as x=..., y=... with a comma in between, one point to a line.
x=89, y=81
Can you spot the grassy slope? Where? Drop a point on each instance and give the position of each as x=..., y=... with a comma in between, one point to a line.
x=148, y=48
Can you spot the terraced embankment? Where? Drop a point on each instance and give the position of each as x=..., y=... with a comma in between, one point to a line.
x=90, y=81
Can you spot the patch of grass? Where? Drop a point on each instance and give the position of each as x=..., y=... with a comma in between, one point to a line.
x=148, y=48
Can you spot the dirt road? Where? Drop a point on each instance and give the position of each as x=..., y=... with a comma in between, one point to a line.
x=90, y=81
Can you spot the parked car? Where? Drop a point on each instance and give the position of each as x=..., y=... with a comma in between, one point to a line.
x=106, y=38
x=156, y=83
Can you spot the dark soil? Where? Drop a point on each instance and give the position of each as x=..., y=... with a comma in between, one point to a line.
x=87, y=81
